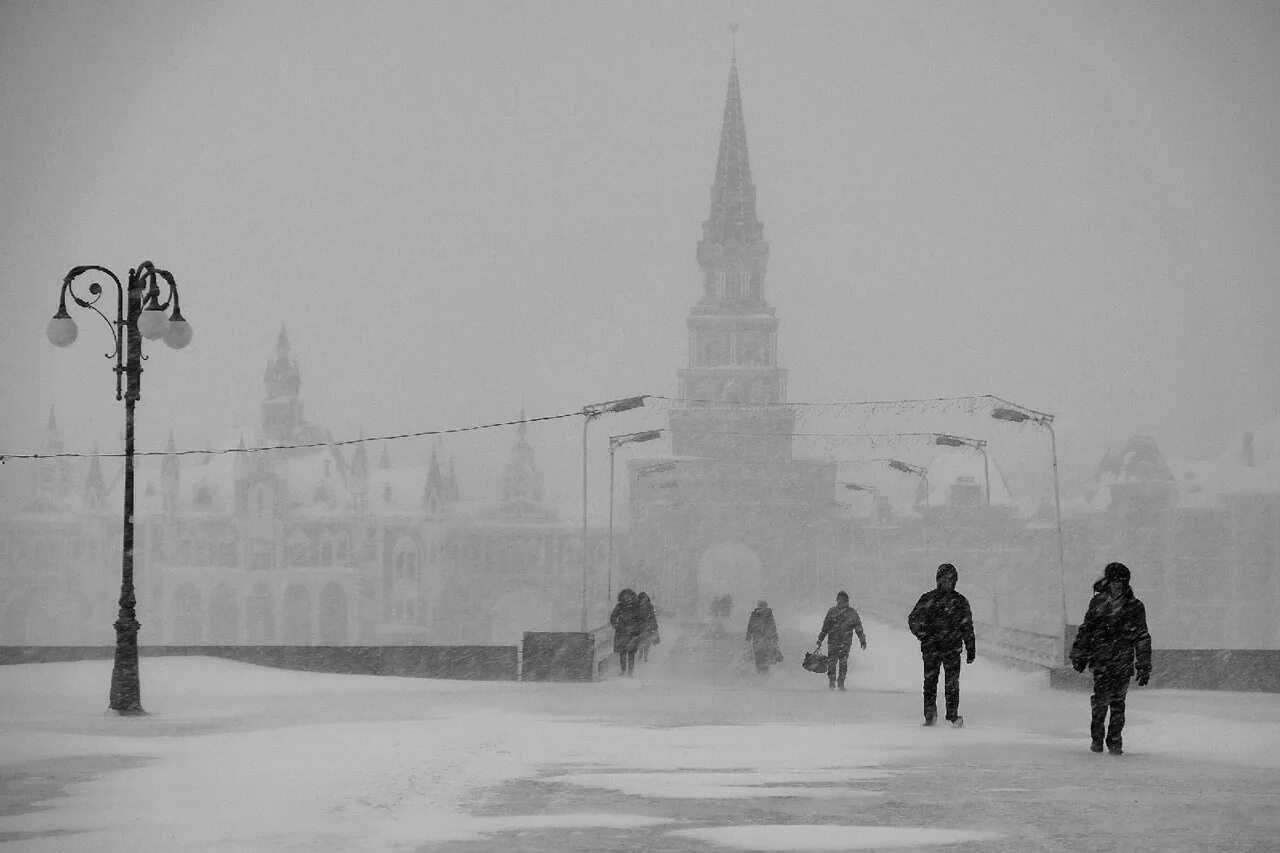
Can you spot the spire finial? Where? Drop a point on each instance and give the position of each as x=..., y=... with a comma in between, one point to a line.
x=733, y=30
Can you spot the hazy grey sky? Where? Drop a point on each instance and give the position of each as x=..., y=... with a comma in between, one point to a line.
x=457, y=206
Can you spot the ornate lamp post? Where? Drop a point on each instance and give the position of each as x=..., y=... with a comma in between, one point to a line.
x=616, y=441
x=134, y=321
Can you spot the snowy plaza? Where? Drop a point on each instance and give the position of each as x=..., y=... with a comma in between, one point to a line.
x=234, y=757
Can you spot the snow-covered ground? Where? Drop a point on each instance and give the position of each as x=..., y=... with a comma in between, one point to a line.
x=238, y=757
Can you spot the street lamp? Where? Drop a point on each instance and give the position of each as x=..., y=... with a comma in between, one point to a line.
x=590, y=412
x=923, y=473
x=616, y=441
x=1017, y=416
x=978, y=444
x=134, y=321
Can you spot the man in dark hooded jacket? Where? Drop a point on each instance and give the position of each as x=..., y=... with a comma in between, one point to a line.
x=1114, y=642
x=943, y=622
x=838, y=628
x=628, y=622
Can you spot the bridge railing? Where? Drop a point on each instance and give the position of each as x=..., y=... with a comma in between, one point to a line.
x=1015, y=645
x=602, y=649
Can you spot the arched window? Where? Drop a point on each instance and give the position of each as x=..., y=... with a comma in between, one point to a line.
x=405, y=587
x=735, y=285
x=297, y=615
x=260, y=616
x=333, y=615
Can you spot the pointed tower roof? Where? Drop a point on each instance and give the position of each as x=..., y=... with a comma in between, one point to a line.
x=360, y=459
x=434, y=479
x=169, y=463
x=53, y=439
x=95, y=486
x=733, y=195
x=451, y=490
x=282, y=378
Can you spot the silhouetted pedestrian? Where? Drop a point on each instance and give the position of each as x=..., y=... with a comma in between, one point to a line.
x=943, y=622
x=649, y=631
x=1114, y=642
x=762, y=634
x=839, y=626
x=627, y=624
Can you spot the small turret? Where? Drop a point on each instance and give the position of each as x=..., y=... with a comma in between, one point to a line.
x=169, y=478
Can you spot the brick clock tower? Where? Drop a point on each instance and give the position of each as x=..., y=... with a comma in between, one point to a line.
x=732, y=511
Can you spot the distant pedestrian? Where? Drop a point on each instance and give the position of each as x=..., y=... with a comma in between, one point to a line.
x=762, y=634
x=627, y=624
x=943, y=622
x=838, y=628
x=649, y=625
x=1114, y=642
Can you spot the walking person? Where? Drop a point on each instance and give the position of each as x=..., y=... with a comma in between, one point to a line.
x=762, y=634
x=649, y=625
x=1114, y=642
x=839, y=626
x=943, y=622
x=627, y=624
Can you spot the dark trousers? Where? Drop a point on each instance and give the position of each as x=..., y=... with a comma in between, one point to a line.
x=627, y=661
x=1110, y=687
x=837, y=668
x=949, y=661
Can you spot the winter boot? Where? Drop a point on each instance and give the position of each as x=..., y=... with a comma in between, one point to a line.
x=958, y=722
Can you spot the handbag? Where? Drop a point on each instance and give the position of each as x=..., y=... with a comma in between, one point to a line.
x=815, y=661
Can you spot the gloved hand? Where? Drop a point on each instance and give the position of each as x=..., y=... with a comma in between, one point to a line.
x=1078, y=664
x=1143, y=678
x=864, y=645
x=970, y=657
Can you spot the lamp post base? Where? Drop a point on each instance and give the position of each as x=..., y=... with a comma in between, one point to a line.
x=126, y=685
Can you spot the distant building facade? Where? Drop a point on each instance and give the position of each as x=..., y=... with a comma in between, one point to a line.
x=319, y=545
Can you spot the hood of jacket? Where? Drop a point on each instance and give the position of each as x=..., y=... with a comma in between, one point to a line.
x=1100, y=588
x=947, y=572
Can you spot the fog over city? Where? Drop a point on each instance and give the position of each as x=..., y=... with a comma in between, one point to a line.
x=606, y=343
x=1072, y=207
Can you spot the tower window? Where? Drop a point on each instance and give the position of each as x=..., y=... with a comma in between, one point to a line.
x=735, y=285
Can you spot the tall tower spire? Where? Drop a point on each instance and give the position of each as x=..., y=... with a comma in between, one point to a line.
x=281, y=410
x=732, y=373
x=733, y=195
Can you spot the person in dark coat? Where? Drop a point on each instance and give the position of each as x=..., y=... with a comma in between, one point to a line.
x=649, y=632
x=943, y=622
x=839, y=626
x=628, y=623
x=1114, y=642
x=762, y=634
